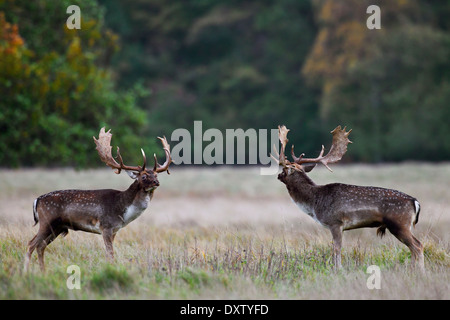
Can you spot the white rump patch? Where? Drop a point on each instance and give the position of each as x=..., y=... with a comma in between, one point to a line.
x=35, y=210
x=417, y=205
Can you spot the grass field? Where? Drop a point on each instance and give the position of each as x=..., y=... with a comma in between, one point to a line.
x=226, y=233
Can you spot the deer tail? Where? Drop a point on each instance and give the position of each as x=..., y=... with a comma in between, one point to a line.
x=35, y=214
x=381, y=231
x=417, y=207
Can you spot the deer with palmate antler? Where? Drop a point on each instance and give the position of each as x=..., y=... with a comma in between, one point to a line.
x=97, y=211
x=341, y=207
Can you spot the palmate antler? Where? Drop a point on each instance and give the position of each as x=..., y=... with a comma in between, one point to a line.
x=103, y=146
x=104, y=151
x=282, y=135
x=165, y=166
x=337, y=150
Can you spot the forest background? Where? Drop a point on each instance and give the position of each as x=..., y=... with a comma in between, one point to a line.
x=147, y=67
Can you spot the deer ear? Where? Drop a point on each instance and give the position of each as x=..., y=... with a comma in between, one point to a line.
x=308, y=167
x=132, y=174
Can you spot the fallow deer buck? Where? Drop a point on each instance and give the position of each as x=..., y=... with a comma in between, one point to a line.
x=97, y=211
x=340, y=207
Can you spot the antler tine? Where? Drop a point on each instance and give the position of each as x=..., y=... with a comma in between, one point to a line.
x=165, y=166
x=293, y=155
x=103, y=146
x=119, y=156
x=337, y=150
x=156, y=162
x=145, y=159
x=276, y=151
x=276, y=154
x=282, y=135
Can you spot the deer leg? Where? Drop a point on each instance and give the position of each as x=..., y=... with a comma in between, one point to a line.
x=38, y=239
x=405, y=236
x=336, y=232
x=420, y=259
x=42, y=245
x=31, y=247
x=40, y=250
x=108, y=238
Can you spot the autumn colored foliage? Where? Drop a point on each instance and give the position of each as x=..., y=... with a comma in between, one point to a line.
x=148, y=67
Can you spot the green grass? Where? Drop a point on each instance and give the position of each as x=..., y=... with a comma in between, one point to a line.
x=238, y=244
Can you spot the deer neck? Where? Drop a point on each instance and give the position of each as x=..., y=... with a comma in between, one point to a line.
x=302, y=191
x=135, y=200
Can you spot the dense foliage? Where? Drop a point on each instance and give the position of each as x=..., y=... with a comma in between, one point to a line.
x=392, y=86
x=56, y=89
x=308, y=64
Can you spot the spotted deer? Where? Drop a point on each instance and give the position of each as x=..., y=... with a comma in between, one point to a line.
x=97, y=211
x=340, y=207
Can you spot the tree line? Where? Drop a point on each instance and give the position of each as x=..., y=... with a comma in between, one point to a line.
x=147, y=67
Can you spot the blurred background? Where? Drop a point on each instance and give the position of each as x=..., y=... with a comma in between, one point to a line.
x=147, y=67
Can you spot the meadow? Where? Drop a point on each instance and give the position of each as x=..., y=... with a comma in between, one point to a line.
x=226, y=233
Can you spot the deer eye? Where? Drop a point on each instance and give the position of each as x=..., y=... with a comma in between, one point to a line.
x=144, y=177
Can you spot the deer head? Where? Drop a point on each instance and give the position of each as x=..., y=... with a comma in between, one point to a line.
x=146, y=178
